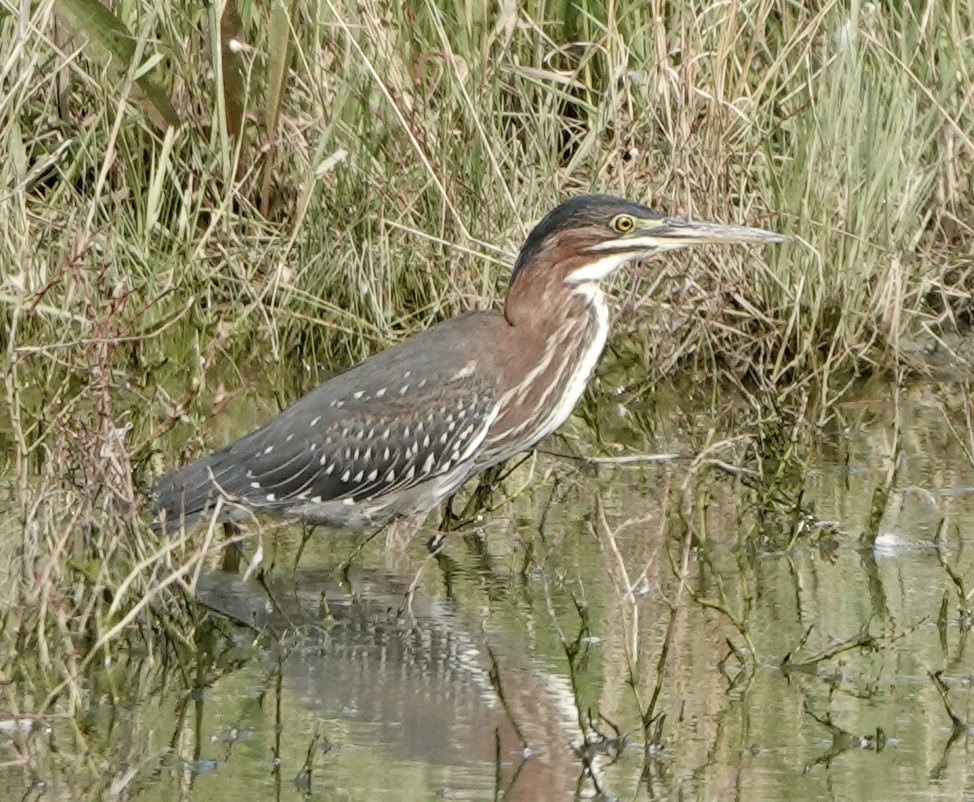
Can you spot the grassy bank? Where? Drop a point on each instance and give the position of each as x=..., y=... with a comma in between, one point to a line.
x=344, y=174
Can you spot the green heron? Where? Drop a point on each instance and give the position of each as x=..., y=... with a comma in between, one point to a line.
x=395, y=435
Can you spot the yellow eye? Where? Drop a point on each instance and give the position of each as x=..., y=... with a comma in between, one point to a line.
x=623, y=223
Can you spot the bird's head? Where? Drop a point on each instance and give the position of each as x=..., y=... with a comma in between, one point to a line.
x=585, y=240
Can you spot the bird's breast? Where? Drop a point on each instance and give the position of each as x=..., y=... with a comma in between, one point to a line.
x=549, y=383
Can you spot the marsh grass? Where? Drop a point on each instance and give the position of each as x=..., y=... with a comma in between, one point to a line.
x=346, y=174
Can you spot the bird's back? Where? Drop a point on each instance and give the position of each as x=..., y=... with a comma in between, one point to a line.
x=393, y=433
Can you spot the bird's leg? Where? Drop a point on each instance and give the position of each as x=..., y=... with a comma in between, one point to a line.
x=436, y=542
x=449, y=520
x=411, y=590
x=448, y=569
x=401, y=530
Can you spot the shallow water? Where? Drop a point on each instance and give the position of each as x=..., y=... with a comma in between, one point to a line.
x=787, y=667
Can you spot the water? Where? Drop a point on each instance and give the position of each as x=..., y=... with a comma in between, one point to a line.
x=481, y=675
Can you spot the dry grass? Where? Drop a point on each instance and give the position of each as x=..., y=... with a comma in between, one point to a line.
x=313, y=208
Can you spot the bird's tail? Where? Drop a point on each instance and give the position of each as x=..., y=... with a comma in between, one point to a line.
x=188, y=495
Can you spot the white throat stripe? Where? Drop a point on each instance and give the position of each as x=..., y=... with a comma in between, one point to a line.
x=600, y=269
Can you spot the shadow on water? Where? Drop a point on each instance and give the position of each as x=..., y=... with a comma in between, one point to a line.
x=671, y=631
x=415, y=682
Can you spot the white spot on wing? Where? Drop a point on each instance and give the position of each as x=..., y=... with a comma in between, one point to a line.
x=271, y=497
x=465, y=371
x=255, y=485
x=474, y=444
x=346, y=475
x=314, y=421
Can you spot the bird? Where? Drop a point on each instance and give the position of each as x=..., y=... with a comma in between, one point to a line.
x=389, y=439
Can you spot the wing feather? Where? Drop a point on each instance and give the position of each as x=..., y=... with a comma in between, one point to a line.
x=403, y=417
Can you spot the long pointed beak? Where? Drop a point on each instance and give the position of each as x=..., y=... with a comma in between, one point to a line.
x=672, y=232
x=668, y=233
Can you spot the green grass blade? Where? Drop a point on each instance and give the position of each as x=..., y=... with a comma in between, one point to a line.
x=278, y=48
x=90, y=19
